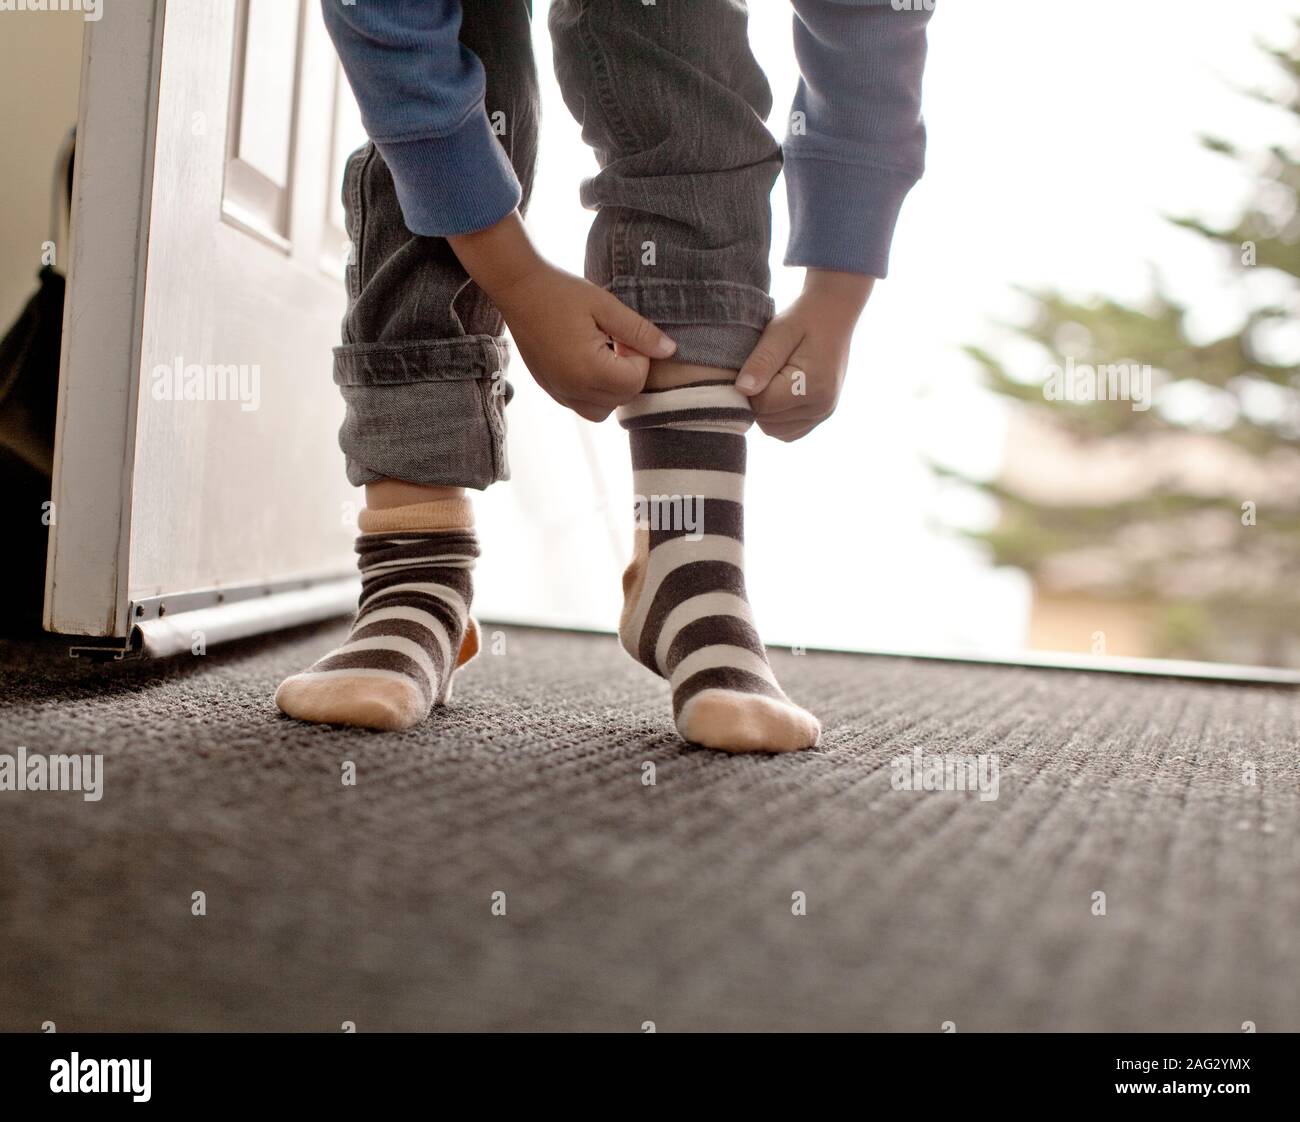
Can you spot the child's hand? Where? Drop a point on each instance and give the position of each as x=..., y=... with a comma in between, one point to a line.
x=794, y=375
x=562, y=325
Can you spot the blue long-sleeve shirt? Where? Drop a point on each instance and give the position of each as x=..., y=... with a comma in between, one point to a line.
x=854, y=147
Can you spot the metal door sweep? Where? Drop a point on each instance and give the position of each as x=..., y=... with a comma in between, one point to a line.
x=190, y=622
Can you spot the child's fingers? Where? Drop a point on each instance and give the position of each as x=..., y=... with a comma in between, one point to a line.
x=621, y=376
x=782, y=416
x=773, y=351
x=587, y=410
x=779, y=395
x=788, y=430
x=623, y=325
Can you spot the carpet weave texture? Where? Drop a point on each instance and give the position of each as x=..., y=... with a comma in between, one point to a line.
x=627, y=902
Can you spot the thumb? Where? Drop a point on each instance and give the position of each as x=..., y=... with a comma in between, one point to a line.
x=774, y=347
x=623, y=325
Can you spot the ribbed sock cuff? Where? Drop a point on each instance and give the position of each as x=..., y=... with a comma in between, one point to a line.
x=699, y=405
x=440, y=514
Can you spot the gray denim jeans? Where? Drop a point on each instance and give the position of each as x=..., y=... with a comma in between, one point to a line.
x=672, y=101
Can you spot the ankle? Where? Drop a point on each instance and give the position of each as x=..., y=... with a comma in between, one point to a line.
x=386, y=493
x=668, y=375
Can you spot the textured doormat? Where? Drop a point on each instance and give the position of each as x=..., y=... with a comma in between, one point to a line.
x=1138, y=870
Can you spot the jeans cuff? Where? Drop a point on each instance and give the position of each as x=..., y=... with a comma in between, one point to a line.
x=714, y=323
x=430, y=413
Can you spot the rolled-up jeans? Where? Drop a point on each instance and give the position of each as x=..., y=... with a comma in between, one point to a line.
x=672, y=102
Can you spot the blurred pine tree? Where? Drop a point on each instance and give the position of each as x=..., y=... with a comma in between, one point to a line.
x=1188, y=512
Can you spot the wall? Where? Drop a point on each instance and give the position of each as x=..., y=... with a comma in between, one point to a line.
x=40, y=65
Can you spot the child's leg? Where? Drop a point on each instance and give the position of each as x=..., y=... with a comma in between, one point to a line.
x=673, y=102
x=422, y=371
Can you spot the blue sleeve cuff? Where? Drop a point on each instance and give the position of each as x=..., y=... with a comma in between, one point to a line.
x=842, y=216
x=453, y=184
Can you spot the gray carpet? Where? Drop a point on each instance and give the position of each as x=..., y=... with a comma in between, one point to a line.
x=628, y=903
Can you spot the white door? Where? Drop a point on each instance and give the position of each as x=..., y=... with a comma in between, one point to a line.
x=197, y=469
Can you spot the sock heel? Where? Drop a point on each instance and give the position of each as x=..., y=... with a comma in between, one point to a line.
x=469, y=649
x=633, y=582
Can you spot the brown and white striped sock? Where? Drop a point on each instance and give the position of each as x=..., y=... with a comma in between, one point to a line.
x=685, y=612
x=413, y=629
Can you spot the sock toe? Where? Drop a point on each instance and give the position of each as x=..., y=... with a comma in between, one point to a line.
x=741, y=722
x=388, y=704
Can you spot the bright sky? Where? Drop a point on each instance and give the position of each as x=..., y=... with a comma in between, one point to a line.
x=1059, y=134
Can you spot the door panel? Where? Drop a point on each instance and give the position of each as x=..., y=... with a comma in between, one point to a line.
x=228, y=472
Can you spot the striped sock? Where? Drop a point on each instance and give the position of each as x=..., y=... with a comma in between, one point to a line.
x=685, y=612
x=413, y=629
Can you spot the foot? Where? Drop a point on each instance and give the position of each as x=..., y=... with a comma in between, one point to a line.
x=685, y=612
x=411, y=634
